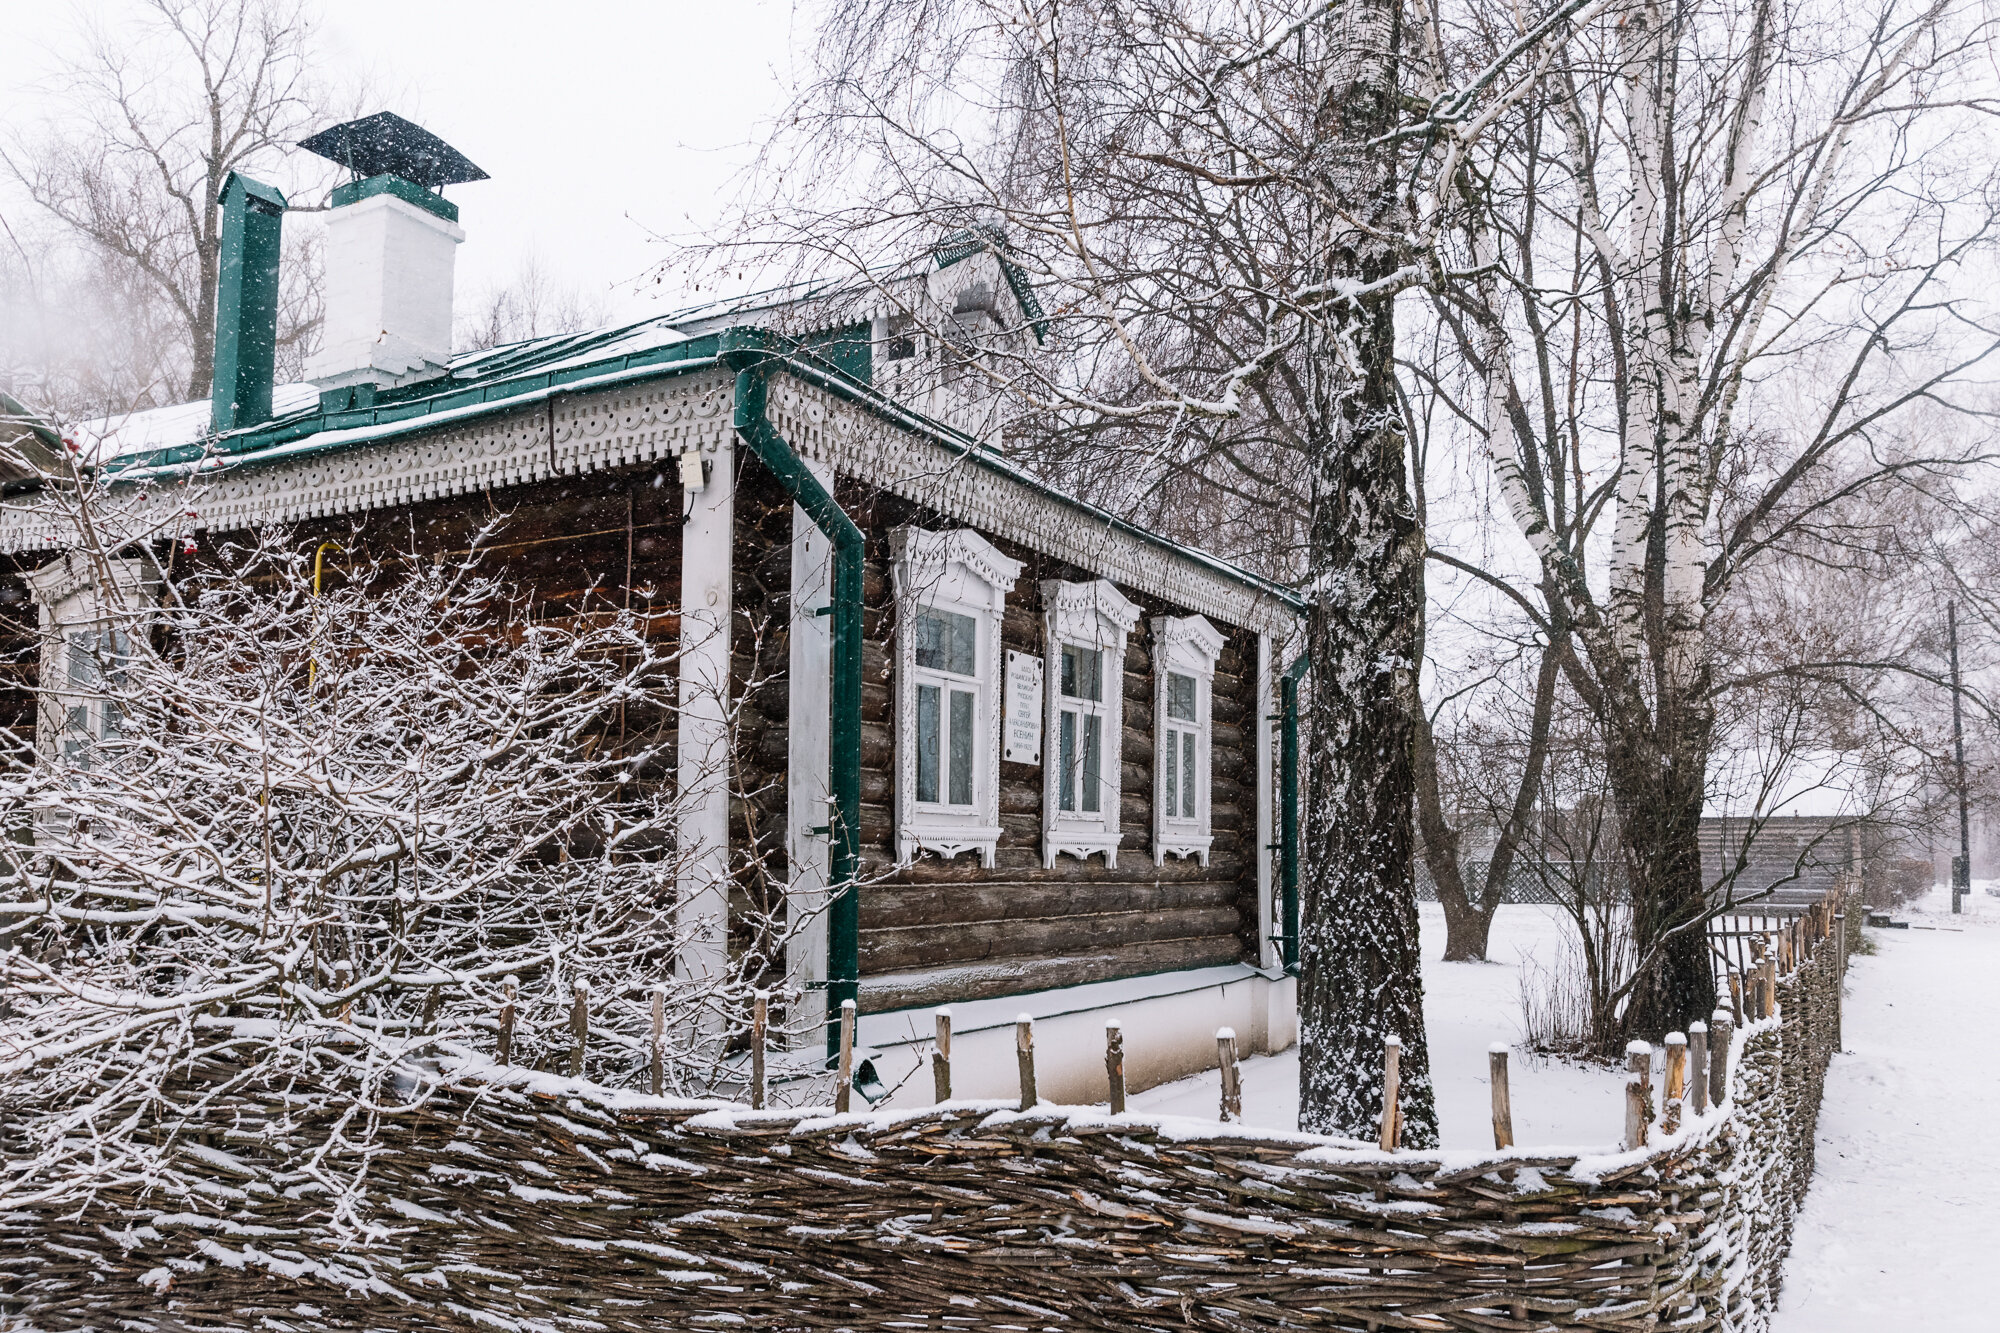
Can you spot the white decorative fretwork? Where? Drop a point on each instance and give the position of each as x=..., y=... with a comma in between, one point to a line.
x=652, y=415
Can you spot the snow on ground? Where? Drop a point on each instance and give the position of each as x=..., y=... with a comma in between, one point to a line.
x=1902, y=1222
x=1467, y=1007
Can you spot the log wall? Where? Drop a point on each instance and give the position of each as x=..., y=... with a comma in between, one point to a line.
x=943, y=931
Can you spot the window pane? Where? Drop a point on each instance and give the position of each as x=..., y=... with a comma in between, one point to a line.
x=1172, y=770
x=1093, y=751
x=1187, y=775
x=947, y=641
x=927, y=742
x=83, y=659
x=1180, y=696
x=1066, y=764
x=1082, y=673
x=961, y=748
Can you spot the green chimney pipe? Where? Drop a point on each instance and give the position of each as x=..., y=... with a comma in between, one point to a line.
x=750, y=352
x=246, y=304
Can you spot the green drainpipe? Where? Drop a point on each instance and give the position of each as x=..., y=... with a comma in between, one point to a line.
x=750, y=352
x=1288, y=802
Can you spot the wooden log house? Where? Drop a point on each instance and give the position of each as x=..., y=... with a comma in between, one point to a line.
x=1065, y=801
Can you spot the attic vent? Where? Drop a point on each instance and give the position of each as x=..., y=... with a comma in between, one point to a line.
x=977, y=297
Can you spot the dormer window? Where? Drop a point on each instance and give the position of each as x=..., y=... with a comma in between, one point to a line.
x=951, y=591
x=1086, y=625
x=1185, y=651
x=977, y=297
x=899, y=338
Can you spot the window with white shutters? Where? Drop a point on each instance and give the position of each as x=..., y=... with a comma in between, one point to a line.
x=951, y=590
x=1086, y=625
x=1185, y=651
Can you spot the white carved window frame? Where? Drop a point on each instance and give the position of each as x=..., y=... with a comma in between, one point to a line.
x=1088, y=615
x=957, y=571
x=77, y=619
x=1185, y=646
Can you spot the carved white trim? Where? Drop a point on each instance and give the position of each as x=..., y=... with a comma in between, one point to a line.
x=957, y=571
x=1190, y=646
x=1092, y=615
x=651, y=419
x=991, y=494
x=352, y=471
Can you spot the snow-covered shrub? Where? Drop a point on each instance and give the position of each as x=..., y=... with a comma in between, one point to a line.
x=313, y=824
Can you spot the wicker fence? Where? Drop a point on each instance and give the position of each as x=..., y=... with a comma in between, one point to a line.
x=520, y=1201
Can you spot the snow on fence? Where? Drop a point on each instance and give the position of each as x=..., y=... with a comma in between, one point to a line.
x=521, y=1201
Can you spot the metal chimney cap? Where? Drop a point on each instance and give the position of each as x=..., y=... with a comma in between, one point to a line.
x=386, y=144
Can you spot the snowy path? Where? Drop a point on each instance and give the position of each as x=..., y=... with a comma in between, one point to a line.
x=1902, y=1225
x=1467, y=1007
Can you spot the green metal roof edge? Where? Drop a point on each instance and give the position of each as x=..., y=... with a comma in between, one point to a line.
x=973, y=241
x=250, y=447
x=501, y=394
x=979, y=455
x=14, y=410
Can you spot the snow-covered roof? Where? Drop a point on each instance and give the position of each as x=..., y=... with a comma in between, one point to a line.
x=174, y=443
x=109, y=438
x=1819, y=784
x=186, y=425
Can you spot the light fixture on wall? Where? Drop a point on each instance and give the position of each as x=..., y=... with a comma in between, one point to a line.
x=694, y=470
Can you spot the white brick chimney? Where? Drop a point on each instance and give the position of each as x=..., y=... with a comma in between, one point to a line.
x=391, y=249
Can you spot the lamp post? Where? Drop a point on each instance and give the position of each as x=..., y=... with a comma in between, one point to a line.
x=1961, y=866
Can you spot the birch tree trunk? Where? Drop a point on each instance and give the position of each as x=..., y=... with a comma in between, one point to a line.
x=1360, y=973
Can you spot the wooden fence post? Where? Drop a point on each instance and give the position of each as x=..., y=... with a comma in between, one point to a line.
x=659, y=1050
x=1024, y=1055
x=511, y=988
x=1770, y=983
x=843, y=1090
x=1638, y=1094
x=1839, y=972
x=941, y=1058
x=1736, y=996
x=1503, y=1102
x=1114, y=1064
x=1721, y=1031
x=1225, y=1064
x=1392, y=1091
x=579, y=1025
x=760, y=1024
x=1676, y=1089
x=1698, y=1065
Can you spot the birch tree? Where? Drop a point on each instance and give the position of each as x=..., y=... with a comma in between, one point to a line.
x=1720, y=306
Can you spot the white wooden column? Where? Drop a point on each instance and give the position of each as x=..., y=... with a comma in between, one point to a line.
x=807, y=786
x=702, y=899
x=1267, y=806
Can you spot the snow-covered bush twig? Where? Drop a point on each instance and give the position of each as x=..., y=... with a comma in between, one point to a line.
x=314, y=819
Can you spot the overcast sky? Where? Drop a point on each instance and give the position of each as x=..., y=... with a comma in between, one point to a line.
x=596, y=119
